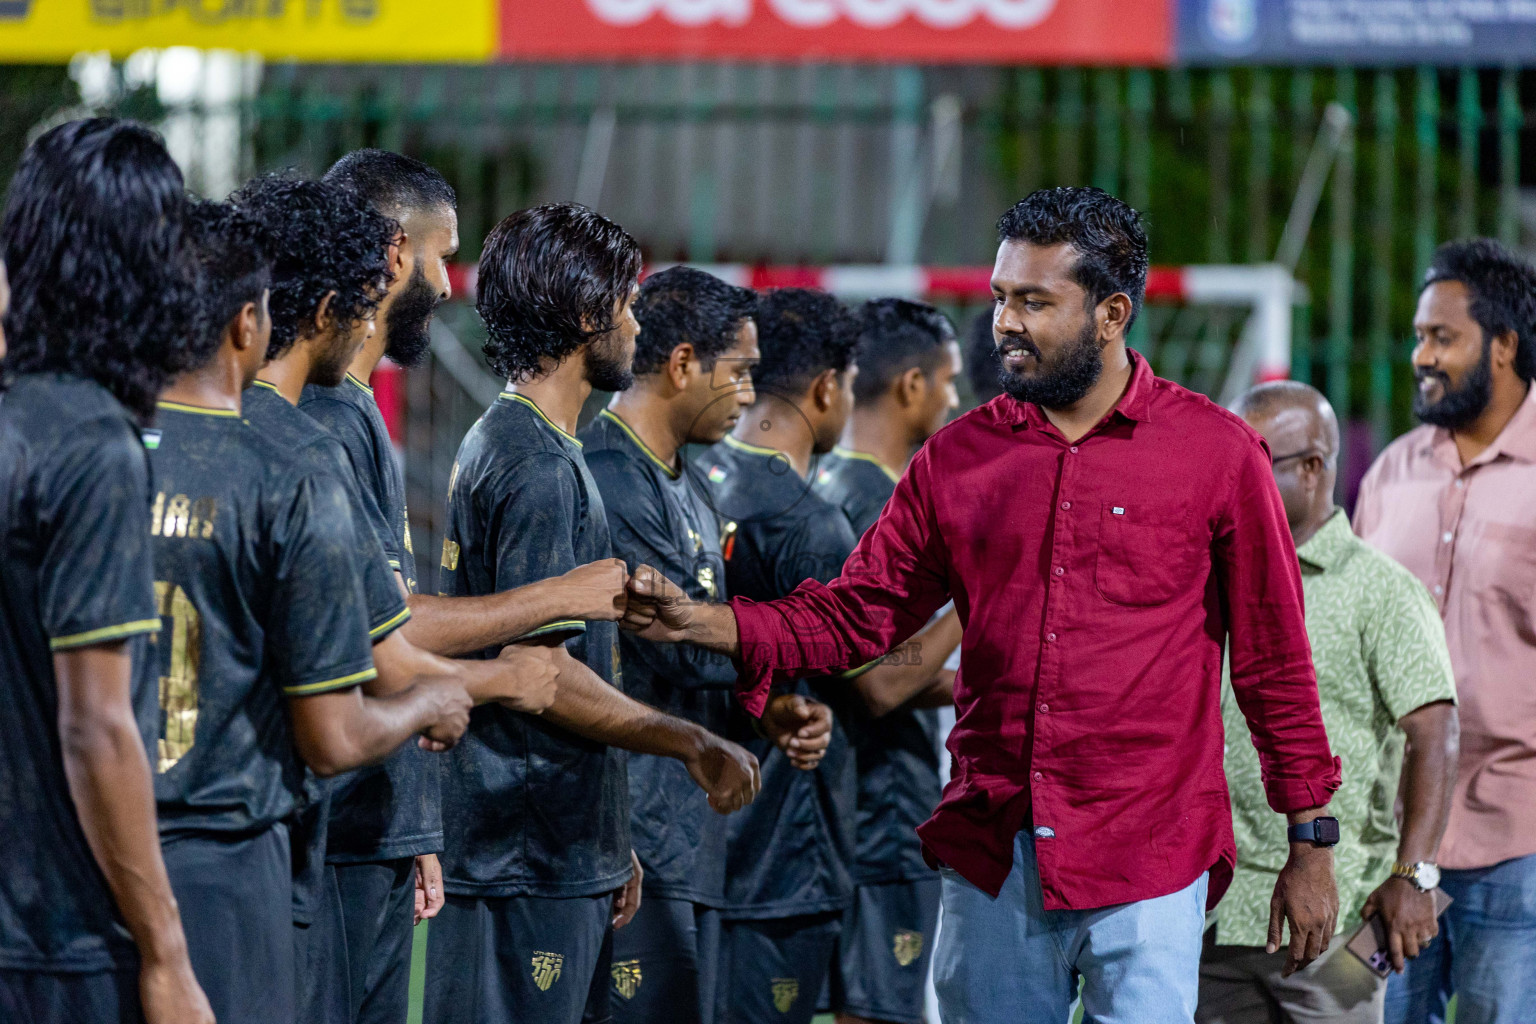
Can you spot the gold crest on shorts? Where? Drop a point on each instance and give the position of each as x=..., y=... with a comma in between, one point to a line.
x=546, y=969
x=907, y=947
x=626, y=977
x=785, y=992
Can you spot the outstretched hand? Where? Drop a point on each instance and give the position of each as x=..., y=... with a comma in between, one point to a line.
x=800, y=727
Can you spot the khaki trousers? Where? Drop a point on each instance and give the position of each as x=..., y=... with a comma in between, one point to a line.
x=1242, y=985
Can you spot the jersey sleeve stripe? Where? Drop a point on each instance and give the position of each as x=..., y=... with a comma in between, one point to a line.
x=390, y=624
x=563, y=626
x=326, y=685
x=105, y=633
x=854, y=673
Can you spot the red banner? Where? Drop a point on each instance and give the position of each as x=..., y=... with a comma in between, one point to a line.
x=970, y=31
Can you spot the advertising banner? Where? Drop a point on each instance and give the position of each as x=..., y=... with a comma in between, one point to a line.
x=377, y=30
x=1487, y=32
x=969, y=31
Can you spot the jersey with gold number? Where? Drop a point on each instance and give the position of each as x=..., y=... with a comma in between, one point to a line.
x=75, y=572
x=256, y=566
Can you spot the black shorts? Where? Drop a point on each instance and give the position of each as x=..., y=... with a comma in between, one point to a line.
x=100, y=997
x=664, y=964
x=378, y=909
x=883, y=952
x=519, y=958
x=322, y=986
x=236, y=898
x=774, y=970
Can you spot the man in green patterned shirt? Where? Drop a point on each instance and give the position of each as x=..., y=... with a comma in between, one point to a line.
x=1383, y=676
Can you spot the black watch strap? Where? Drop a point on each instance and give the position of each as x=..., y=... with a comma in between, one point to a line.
x=1318, y=832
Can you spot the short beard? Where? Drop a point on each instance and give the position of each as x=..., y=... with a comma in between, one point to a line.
x=408, y=323
x=1460, y=407
x=1066, y=380
x=607, y=369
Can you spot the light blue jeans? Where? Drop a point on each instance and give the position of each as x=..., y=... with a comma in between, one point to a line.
x=1485, y=953
x=1010, y=961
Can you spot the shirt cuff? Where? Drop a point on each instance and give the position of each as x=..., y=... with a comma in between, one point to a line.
x=757, y=629
x=1287, y=795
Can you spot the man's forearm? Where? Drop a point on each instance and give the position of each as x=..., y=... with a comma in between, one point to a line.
x=1428, y=779
x=591, y=708
x=338, y=732
x=886, y=687
x=113, y=792
x=463, y=625
x=714, y=628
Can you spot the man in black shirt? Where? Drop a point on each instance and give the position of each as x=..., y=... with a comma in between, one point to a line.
x=266, y=653
x=693, y=378
x=93, y=240
x=537, y=809
x=423, y=205
x=908, y=361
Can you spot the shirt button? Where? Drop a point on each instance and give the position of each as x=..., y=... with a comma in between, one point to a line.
x=1044, y=708
x=1060, y=571
x=1445, y=538
x=1051, y=637
x=1066, y=505
x=1439, y=589
x=1074, y=448
x=1460, y=484
x=1038, y=776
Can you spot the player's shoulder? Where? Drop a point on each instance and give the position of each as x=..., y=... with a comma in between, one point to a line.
x=60, y=409
x=343, y=406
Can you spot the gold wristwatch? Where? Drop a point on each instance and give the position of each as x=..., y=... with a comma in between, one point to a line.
x=1424, y=875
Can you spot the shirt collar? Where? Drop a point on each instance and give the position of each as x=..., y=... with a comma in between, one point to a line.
x=1135, y=405
x=1517, y=439
x=1327, y=548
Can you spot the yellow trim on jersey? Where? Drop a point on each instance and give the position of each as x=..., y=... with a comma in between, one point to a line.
x=754, y=449
x=564, y=625
x=359, y=383
x=530, y=403
x=96, y=636
x=269, y=386
x=390, y=623
x=643, y=446
x=854, y=673
x=198, y=409
x=849, y=453
x=309, y=689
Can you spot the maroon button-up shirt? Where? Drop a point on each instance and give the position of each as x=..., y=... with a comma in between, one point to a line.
x=1097, y=582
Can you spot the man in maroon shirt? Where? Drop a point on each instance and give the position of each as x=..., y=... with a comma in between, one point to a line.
x=1103, y=533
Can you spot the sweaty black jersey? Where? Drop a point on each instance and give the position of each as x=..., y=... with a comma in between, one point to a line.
x=75, y=570
x=897, y=754
x=349, y=412
x=789, y=850
x=391, y=809
x=532, y=809
x=256, y=565
x=662, y=518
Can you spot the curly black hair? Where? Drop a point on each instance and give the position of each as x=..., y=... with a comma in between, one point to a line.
x=683, y=304
x=324, y=238
x=234, y=266
x=802, y=332
x=896, y=335
x=93, y=237
x=1502, y=291
x=1106, y=233
x=981, y=363
x=550, y=280
x=392, y=183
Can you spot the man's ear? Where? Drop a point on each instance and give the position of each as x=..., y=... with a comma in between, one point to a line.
x=679, y=363
x=399, y=256
x=1503, y=349
x=245, y=328
x=1113, y=317
x=911, y=387
x=323, y=319
x=824, y=390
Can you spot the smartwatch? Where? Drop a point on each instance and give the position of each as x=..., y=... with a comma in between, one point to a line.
x=1318, y=832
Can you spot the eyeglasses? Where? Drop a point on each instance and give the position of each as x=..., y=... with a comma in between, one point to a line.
x=1275, y=460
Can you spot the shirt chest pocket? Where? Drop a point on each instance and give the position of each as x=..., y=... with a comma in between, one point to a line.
x=1146, y=553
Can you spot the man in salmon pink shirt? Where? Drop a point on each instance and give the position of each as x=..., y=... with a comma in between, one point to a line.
x=1104, y=534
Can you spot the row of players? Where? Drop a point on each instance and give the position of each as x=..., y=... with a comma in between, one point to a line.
x=208, y=551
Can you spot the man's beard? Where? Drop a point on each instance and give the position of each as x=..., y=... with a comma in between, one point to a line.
x=408, y=323
x=1070, y=376
x=1458, y=407
x=607, y=368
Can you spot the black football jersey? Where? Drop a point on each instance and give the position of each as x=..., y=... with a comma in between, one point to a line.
x=897, y=754
x=662, y=517
x=76, y=570
x=261, y=600
x=530, y=808
x=789, y=851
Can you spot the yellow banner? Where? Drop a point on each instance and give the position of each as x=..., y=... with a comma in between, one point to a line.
x=318, y=30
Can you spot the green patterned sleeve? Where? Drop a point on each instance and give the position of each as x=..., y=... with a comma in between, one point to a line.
x=1405, y=650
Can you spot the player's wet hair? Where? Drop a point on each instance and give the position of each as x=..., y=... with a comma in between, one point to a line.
x=323, y=239
x=685, y=305
x=234, y=267
x=93, y=237
x=981, y=363
x=896, y=335
x=392, y=183
x=1502, y=291
x=551, y=278
x=1107, y=235
x=803, y=333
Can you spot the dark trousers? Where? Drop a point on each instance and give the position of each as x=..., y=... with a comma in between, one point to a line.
x=774, y=970
x=378, y=908
x=665, y=963
x=884, y=950
x=100, y=997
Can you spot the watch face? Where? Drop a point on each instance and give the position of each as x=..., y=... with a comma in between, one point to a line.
x=1327, y=831
x=1426, y=875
